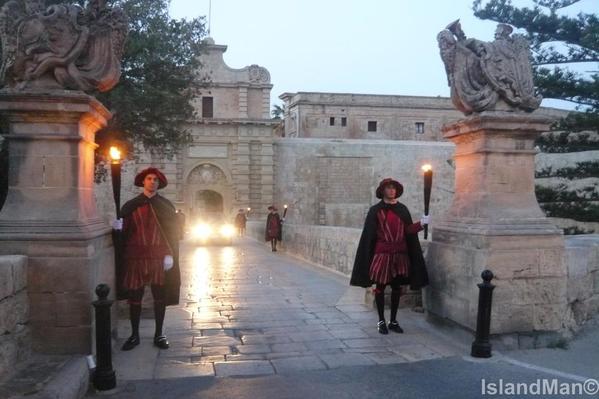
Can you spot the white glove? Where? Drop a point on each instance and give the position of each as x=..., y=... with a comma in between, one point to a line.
x=426, y=219
x=168, y=262
x=117, y=224
x=283, y=220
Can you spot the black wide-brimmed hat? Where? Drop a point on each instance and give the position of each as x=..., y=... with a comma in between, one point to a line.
x=139, y=179
x=387, y=182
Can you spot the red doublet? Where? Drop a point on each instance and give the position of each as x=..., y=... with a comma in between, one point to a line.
x=145, y=249
x=273, y=227
x=391, y=257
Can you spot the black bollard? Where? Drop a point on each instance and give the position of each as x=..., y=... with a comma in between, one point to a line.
x=481, y=347
x=104, y=377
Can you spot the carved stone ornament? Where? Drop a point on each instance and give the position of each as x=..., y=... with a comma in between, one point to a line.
x=493, y=75
x=258, y=74
x=207, y=174
x=61, y=46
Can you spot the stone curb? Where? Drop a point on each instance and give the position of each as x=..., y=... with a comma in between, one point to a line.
x=71, y=382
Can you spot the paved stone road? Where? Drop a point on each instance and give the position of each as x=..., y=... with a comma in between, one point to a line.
x=248, y=311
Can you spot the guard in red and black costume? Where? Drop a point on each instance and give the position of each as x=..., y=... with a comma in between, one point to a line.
x=151, y=233
x=389, y=252
x=274, y=227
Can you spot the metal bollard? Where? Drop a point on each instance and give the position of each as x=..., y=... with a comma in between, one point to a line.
x=104, y=377
x=481, y=347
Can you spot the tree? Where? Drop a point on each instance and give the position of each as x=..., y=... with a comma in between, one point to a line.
x=558, y=43
x=278, y=111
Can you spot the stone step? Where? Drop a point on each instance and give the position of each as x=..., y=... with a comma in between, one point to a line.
x=42, y=376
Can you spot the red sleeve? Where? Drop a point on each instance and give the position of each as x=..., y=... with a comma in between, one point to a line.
x=414, y=228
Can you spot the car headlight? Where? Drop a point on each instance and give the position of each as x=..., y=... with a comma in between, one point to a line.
x=202, y=231
x=227, y=230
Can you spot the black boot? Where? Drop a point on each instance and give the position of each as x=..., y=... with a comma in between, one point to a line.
x=382, y=327
x=135, y=316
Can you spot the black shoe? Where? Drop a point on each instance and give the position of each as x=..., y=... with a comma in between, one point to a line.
x=130, y=343
x=161, y=342
x=394, y=326
x=382, y=327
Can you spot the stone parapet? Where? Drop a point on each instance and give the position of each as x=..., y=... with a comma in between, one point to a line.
x=15, y=339
x=331, y=247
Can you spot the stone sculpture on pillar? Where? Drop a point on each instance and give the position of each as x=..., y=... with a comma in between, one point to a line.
x=495, y=221
x=488, y=75
x=51, y=56
x=61, y=46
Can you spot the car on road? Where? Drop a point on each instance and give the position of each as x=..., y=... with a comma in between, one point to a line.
x=212, y=231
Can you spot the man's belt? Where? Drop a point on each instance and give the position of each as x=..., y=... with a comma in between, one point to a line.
x=390, y=247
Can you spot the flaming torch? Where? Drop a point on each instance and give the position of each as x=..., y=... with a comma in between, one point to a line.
x=285, y=211
x=115, y=173
x=428, y=183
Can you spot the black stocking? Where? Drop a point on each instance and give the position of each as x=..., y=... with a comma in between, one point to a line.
x=159, y=308
x=135, y=310
x=379, y=298
x=395, y=292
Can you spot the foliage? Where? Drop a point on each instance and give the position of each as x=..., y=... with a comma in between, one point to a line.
x=582, y=170
x=560, y=142
x=278, y=111
x=561, y=194
x=583, y=211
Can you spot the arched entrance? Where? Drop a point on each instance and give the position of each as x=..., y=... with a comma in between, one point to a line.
x=208, y=204
x=208, y=192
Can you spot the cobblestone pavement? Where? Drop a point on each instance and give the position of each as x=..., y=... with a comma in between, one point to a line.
x=248, y=311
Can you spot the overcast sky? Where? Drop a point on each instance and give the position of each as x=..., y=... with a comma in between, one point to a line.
x=347, y=46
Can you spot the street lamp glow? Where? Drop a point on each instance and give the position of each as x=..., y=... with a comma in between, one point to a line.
x=115, y=154
x=426, y=167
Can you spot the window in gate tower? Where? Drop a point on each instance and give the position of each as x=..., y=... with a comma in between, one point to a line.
x=207, y=107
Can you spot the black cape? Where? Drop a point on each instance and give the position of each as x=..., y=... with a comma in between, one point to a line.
x=418, y=275
x=279, y=236
x=169, y=223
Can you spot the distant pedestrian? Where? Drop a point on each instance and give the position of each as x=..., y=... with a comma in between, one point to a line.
x=151, y=253
x=181, y=222
x=389, y=252
x=274, y=228
x=240, y=222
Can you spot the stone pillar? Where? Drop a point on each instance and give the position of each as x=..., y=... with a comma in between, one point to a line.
x=50, y=213
x=496, y=223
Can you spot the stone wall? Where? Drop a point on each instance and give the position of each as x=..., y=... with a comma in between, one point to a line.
x=347, y=116
x=332, y=182
x=331, y=247
x=582, y=255
x=15, y=341
x=567, y=188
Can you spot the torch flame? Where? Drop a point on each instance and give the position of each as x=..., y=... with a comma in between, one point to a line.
x=115, y=154
x=426, y=167
x=285, y=206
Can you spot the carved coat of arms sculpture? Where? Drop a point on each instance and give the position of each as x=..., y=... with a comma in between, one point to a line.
x=61, y=46
x=493, y=75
